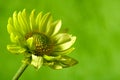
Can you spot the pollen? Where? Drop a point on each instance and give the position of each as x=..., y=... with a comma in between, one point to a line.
x=42, y=44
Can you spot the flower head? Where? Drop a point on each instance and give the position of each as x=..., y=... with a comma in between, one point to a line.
x=39, y=39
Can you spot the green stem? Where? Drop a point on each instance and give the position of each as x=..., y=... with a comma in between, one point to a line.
x=20, y=71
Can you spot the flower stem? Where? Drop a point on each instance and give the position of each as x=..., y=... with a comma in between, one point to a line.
x=20, y=71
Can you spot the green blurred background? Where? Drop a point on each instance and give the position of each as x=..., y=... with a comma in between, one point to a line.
x=96, y=23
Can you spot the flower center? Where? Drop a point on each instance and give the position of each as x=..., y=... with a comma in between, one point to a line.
x=41, y=43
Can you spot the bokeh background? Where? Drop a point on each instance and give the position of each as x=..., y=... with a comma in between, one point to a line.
x=96, y=23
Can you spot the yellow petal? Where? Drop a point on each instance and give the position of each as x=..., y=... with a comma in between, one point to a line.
x=15, y=49
x=64, y=46
x=54, y=28
x=57, y=27
x=13, y=38
x=63, y=52
x=61, y=38
x=16, y=24
x=24, y=17
x=30, y=43
x=38, y=19
x=43, y=23
x=22, y=24
x=10, y=28
x=57, y=67
x=63, y=62
x=37, y=61
x=32, y=20
x=51, y=58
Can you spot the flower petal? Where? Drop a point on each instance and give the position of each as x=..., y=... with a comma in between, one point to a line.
x=17, y=25
x=24, y=17
x=64, y=62
x=57, y=66
x=68, y=61
x=10, y=27
x=51, y=58
x=64, y=46
x=57, y=27
x=64, y=52
x=16, y=49
x=48, y=63
x=61, y=38
x=32, y=20
x=13, y=38
x=38, y=19
x=30, y=42
x=23, y=22
x=10, y=21
x=43, y=22
x=54, y=28
x=37, y=61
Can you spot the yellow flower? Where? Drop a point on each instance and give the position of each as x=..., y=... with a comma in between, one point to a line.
x=39, y=39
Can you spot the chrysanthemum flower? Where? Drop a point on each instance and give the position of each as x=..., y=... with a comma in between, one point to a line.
x=39, y=39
